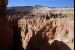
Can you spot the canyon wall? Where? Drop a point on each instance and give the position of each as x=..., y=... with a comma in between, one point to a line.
x=51, y=34
x=44, y=30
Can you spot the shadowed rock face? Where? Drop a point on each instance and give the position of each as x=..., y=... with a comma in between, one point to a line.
x=6, y=35
x=51, y=34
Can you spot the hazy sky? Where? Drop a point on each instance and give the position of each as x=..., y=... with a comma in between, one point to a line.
x=48, y=3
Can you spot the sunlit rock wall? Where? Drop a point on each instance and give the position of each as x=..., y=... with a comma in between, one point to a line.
x=36, y=32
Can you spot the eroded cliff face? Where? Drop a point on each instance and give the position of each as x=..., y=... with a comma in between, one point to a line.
x=51, y=34
x=53, y=31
